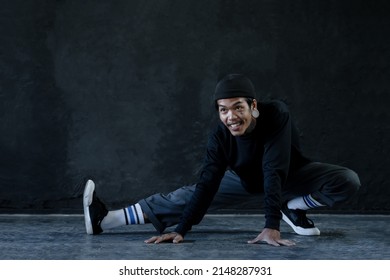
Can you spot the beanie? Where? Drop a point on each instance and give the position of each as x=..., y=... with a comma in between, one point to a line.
x=234, y=85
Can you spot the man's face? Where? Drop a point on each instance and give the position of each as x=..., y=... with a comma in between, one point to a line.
x=236, y=114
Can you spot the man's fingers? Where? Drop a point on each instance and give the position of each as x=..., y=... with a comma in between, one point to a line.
x=156, y=239
x=175, y=237
x=178, y=239
x=253, y=241
x=162, y=238
x=286, y=242
x=152, y=239
x=258, y=240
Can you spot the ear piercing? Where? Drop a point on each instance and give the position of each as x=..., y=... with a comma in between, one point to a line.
x=255, y=113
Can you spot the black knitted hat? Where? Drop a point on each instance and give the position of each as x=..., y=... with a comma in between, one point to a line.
x=234, y=85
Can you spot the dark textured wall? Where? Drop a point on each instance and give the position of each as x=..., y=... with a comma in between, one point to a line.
x=121, y=91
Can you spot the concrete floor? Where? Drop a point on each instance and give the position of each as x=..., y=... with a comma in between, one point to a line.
x=218, y=237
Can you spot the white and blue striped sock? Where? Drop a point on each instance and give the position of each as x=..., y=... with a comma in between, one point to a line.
x=304, y=203
x=126, y=216
x=134, y=215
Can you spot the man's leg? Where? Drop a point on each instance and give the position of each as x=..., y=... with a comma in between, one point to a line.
x=162, y=210
x=314, y=185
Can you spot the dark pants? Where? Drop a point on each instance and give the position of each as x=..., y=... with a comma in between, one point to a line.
x=329, y=184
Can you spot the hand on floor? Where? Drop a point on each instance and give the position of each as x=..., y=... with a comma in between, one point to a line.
x=173, y=236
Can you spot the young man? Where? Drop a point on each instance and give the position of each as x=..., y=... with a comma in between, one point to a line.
x=253, y=150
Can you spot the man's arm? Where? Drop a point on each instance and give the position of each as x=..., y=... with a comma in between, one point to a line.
x=213, y=170
x=276, y=161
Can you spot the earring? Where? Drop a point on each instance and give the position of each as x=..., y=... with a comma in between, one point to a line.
x=255, y=113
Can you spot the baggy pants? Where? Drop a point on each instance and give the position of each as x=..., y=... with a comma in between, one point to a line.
x=329, y=184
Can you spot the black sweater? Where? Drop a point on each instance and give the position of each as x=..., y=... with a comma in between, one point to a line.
x=262, y=159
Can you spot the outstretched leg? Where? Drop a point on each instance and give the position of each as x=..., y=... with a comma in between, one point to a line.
x=162, y=210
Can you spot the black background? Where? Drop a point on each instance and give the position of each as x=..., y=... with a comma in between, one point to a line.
x=121, y=91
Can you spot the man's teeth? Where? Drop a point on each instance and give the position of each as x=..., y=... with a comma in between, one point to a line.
x=233, y=125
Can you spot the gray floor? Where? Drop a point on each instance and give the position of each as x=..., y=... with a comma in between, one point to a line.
x=218, y=237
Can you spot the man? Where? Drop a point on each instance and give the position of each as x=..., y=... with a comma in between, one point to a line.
x=253, y=150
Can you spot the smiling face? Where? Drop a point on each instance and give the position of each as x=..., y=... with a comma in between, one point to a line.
x=236, y=115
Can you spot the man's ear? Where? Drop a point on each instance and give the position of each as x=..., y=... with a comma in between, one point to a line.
x=254, y=104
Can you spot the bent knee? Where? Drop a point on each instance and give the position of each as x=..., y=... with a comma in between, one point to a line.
x=352, y=181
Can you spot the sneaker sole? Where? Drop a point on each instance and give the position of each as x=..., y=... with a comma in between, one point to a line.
x=301, y=230
x=87, y=200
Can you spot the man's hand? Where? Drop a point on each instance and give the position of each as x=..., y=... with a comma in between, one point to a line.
x=272, y=237
x=173, y=236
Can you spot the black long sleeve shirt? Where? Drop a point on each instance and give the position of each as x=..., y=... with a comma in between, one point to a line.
x=262, y=159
